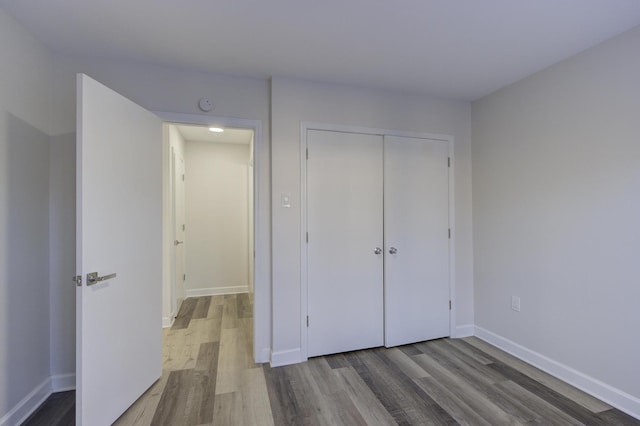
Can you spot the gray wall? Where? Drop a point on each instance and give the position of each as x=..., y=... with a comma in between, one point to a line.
x=556, y=208
x=24, y=216
x=62, y=257
x=216, y=201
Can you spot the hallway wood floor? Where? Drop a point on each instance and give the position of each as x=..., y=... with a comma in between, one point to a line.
x=209, y=378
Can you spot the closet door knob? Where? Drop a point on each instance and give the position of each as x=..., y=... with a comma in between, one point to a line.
x=378, y=250
x=393, y=250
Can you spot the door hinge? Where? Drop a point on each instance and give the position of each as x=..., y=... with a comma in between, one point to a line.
x=78, y=280
x=307, y=153
x=184, y=277
x=448, y=161
x=307, y=237
x=307, y=320
x=183, y=227
x=183, y=177
x=449, y=304
x=449, y=233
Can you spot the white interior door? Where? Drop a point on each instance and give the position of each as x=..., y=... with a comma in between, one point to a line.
x=173, y=291
x=416, y=215
x=179, y=240
x=344, y=221
x=250, y=227
x=119, y=231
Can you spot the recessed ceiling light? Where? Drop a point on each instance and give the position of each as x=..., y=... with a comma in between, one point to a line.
x=216, y=129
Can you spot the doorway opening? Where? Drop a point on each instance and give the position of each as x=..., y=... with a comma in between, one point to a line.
x=210, y=216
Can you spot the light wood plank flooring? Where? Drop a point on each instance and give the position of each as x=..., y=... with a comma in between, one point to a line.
x=209, y=378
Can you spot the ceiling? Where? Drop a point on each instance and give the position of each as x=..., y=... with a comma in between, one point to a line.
x=202, y=134
x=456, y=49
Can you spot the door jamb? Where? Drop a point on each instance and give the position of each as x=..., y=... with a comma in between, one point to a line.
x=306, y=126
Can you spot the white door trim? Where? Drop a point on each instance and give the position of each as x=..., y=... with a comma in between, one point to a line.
x=304, y=127
x=262, y=339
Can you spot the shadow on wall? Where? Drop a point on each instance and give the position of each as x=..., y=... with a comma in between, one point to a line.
x=24, y=330
x=62, y=258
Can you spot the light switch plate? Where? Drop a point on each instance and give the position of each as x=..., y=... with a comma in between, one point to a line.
x=515, y=303
x=285, y=201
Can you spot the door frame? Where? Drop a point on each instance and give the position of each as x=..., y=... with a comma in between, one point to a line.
x=304, y=127
x=261, y=306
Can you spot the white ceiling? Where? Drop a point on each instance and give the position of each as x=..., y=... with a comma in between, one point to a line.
x=459, y=49
x=202, y=134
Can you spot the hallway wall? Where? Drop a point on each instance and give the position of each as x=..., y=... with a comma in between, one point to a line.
x=216, y=187
x=169, y=299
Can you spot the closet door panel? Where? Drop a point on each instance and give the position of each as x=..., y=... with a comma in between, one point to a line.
x=416, y=223
x=344, y=221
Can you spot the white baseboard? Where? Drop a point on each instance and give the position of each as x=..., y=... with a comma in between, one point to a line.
x=612, y=396
x=23, y=409
x=217, y=291
x=465, y=330
x=262, y=356
x=63, y=382
x=292, y=356
x=168, y=321
x=30, y=403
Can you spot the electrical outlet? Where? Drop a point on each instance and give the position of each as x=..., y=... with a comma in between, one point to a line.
x=515, y=303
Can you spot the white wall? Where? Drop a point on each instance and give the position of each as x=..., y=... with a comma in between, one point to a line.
x=294, y=101
x=216, y=193
x=62, y=259
x=177, y=91
x=25, y=103
x=556, y=175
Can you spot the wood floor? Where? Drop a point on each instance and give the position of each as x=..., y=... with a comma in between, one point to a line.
x=58, y=410
x=209, y=378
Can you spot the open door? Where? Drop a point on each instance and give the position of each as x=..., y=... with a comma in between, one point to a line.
x=179, y=231
x=119, y=237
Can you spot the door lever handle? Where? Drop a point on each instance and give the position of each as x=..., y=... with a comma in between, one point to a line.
x=378, y=250
x=93, y=278
x=176, y=242
x=393, y=250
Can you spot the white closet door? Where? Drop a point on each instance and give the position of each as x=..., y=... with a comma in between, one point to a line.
x=416, y=200
x=344, y=221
